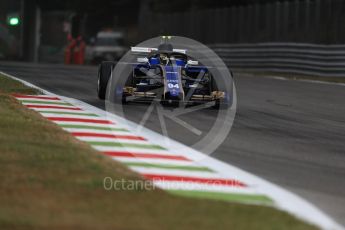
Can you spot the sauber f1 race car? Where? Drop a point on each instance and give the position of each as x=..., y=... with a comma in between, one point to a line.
x=168, y=75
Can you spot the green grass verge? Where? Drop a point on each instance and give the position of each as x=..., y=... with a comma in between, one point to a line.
x=49, y=180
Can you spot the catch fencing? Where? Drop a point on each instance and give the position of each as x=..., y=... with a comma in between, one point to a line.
x=310, y=59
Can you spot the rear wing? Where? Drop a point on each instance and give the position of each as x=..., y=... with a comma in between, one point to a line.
x=137, y=49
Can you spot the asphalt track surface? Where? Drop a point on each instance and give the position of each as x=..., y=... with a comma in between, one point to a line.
x=291, y=133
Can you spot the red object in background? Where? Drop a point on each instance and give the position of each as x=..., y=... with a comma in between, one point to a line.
x=79, y=51
x=69, y=49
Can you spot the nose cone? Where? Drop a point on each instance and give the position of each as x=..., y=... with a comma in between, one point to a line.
x=173, y=80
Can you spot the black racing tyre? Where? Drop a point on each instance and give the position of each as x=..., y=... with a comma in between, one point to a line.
x=104, y=73
x=221, y=104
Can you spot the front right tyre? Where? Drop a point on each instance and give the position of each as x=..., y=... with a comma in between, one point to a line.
x=104, y=73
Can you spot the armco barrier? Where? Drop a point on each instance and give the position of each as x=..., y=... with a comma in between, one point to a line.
x=311, y=59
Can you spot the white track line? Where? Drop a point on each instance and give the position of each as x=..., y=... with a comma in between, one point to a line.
x=202, y=187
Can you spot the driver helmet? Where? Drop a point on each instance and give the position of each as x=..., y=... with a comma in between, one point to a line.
x=164, y=59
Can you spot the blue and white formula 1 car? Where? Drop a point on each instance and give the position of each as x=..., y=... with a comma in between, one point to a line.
x=166, y=74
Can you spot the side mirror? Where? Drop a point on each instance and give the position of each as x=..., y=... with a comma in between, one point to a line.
x=191, y=62
x=142, y=59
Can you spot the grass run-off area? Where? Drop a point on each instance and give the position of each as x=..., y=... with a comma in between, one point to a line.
x=49, y=180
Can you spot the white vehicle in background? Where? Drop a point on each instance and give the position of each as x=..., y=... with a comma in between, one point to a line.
x=107, y=46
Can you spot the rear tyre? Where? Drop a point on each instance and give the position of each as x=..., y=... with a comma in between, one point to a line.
x=104, y=72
